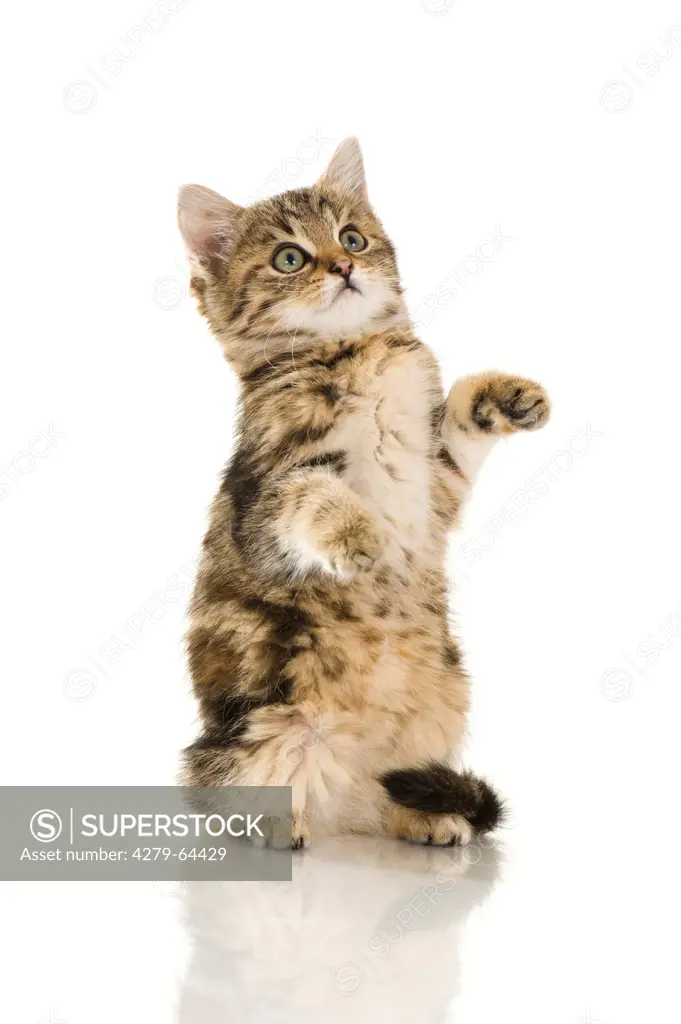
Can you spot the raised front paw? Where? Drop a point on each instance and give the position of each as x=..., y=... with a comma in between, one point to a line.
x=498, y=403
x=355, y=547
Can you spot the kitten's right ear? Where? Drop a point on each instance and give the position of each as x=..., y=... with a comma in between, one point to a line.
x=210, y=226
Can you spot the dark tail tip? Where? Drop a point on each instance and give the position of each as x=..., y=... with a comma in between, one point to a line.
x=437, y=789
x=490, y=812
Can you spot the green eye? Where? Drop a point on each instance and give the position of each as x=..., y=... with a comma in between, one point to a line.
x=352, y=240
x=289, y=259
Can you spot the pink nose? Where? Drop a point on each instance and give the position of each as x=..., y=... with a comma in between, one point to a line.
x=341, y=266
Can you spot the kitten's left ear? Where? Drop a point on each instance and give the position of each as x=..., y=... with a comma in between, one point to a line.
x=345, y=172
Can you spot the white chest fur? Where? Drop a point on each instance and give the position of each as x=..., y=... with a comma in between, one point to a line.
x=384, y=429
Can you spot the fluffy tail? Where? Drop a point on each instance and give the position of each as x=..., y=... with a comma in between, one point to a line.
x=436, y=789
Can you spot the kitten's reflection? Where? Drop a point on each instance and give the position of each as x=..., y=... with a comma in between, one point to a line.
x=366, y=931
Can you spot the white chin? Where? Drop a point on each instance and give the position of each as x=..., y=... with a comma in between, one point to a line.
x=349, y=312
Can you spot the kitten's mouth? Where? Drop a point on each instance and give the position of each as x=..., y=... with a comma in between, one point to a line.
x=346, y=289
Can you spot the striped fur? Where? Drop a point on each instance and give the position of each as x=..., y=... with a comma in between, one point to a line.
x=319, y=643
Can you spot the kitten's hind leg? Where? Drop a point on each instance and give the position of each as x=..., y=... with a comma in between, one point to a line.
x=272, y=749
x=427, y=829
x=283, y=833
x=433, y=804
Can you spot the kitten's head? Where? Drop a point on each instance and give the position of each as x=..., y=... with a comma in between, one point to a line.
x=313, y=263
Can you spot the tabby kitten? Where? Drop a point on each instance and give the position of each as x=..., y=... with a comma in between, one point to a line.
x=318, y=644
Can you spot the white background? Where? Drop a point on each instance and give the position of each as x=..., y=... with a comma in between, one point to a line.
x=550, y=125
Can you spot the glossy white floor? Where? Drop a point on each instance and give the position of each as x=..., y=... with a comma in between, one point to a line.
x=542, y=926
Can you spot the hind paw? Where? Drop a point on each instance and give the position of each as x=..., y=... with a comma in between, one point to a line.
x=429, y=829
x=439, y=791
x=282, y=833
